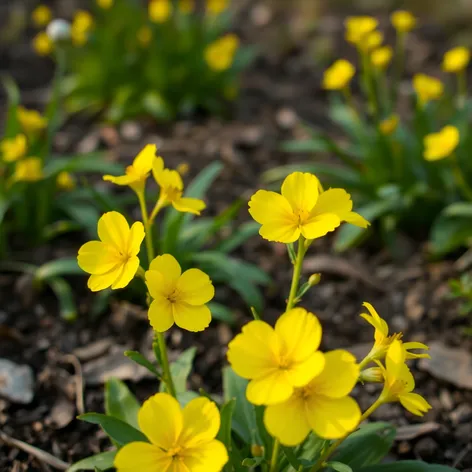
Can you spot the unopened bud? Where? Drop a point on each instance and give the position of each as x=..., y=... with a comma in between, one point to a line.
x=314, y=279
x=183, y=168
x=257, y=450
x=372, y=374
x=58, y=30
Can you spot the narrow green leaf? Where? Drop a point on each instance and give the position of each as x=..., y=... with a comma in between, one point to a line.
x=221, y=313
x=449, y=233
x=240, y=236
x=65, y=296
x=120, y=402
x=224, y=434
x=252, y=461
x=137, y=357
x=61, y=267
x=408, y=466
x=13, y=93
x=339, y=466
x=102, y=461
x=458, y=209
x=203, y=181
x=291, y=457
x=88, y=163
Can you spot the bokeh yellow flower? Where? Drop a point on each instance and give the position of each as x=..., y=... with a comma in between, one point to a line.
x=372, y=40
x=302, y=209
x=82, y=23
x=427, y=88
x=442, y=144
x=381, y=57
x=186, y=6
x=338, y=76
x=136, y=173
x=358, y=27
x=215, y=7
x=105, y=4
x=178, y=297
x=403, y=21
x=65, y=181
x=180, y=439
x=28, y=170
x=41, y=16
x=172, y=187
x=389, y=125
x=43, y=44
x=399, y=382
x=113, y=260
x=144, y=36
x=456, y=60
x=14, y=148
x=159, y=10
x=219, y=55
x=31, y=121
x=276, y=360
x=323, y=405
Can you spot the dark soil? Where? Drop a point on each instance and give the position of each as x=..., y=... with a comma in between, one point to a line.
x=281, y=86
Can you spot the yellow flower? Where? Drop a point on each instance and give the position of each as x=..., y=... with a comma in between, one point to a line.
x=323, y=406
x=81, y=26
x=389, y=125
x=14, y=148
x=180, y=439
x=338, y=75
x=160, y=10
x=442, y=144
x=372, y=40
x=276, y=360
x=42, y=44
x=302, y=209
x=358, y=27
x=178, y=297
x=403, y=21
x=219, y=54
x=28, y=170
x=144, y=35
x=172, y=188
x=383, y=340
x=186, y=6
x=136, y=173
x=112, y=261
x=215, y=7
x=381, y=57
x=456, y=60
x=31, y=121
x=105, y=4
x=65, y=181
x=399, y=382
x=41, y=16
x=427, y=88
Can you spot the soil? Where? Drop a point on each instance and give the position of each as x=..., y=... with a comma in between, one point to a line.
x=281, y=87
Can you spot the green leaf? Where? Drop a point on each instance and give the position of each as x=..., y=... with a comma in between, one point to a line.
x=308, y=145
x=252, y=461
x=64, y=266
x=244, y=416
x=65, y=296
x=291, y=457
x=367, y=446
x=102, y=461
x=137, y=357
x=241, y=235
x=221, y=313
x=85, y=214
x=449, y=233
x=458, y=209
x=338, y=466
x=224, y=434
x=120, y=432
x=120, y=402
x=92, y=163
x=13, y=93
x=180, y=370
x=408, y=466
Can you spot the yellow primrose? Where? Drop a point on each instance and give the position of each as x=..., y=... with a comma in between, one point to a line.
x=442, y=144
x=42, y=44
x=144, y=35
x=303, y=208
x=389, y=125
x=338, y=75
x=219, y=54
x=180, y=439
x=383, y=341
x=403, y=21
x=31, y=121
x=276, y=360
x=172, y=188
x=159, y=10
x=113, y=261
x=28, y=170
x=178, y=297
x=215, y=7
x=381, y=57
x=41, y=16
x=65, y=181
x=456, y=60
x=81, y=26
x=372, y=40
x=399, y=382
x=136, y=173
x=323, y=405
x=186, y=6
x=427, y=88
x=105, y=4
x=14, y=148
x=358, y=27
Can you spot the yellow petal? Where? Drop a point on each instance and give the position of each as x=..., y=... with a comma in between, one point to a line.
x=160, y=314
x=339, y=375
x=320, y=225
x=201, y=422
x=270, y=207
x=287, y=232
x=270, y=389
x=207, y=457
x=415, y=403
x=189, y=205
x=195, y=287
x=287, y=421
x=114, y=229
x=191, y=318
x=160, y=419
x=334, y=200
x=119, y=179
x=357, y=220
x=301, y=191
x=301, y=373
x=98, y=282
x=253, y=353
x=96, y=257
x=144, y=160
x=169, y=179
x=299, y=332
x=135, y=238
x=128, y=271
x=375, y=320
x=141, y=456
x=395, y=360
x=168, y=266
x=332, y=418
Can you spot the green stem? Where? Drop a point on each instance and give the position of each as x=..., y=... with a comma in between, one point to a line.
x=459, y=176
x=147, y=226
x=167, y=375
x=400, y=54
x=297, y=271
x=346, y=91
x=461, y=88
x=275, y=456
x=369, y=84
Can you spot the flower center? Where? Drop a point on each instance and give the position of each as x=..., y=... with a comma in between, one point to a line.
x=174, y=296
x=285, y=363
x=174, y=452
x=172, y=194
x=301, y=216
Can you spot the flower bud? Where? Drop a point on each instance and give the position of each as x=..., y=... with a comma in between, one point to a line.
x=314, y=279
x=372, y=374
x=257, y=450
x=58, y=30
